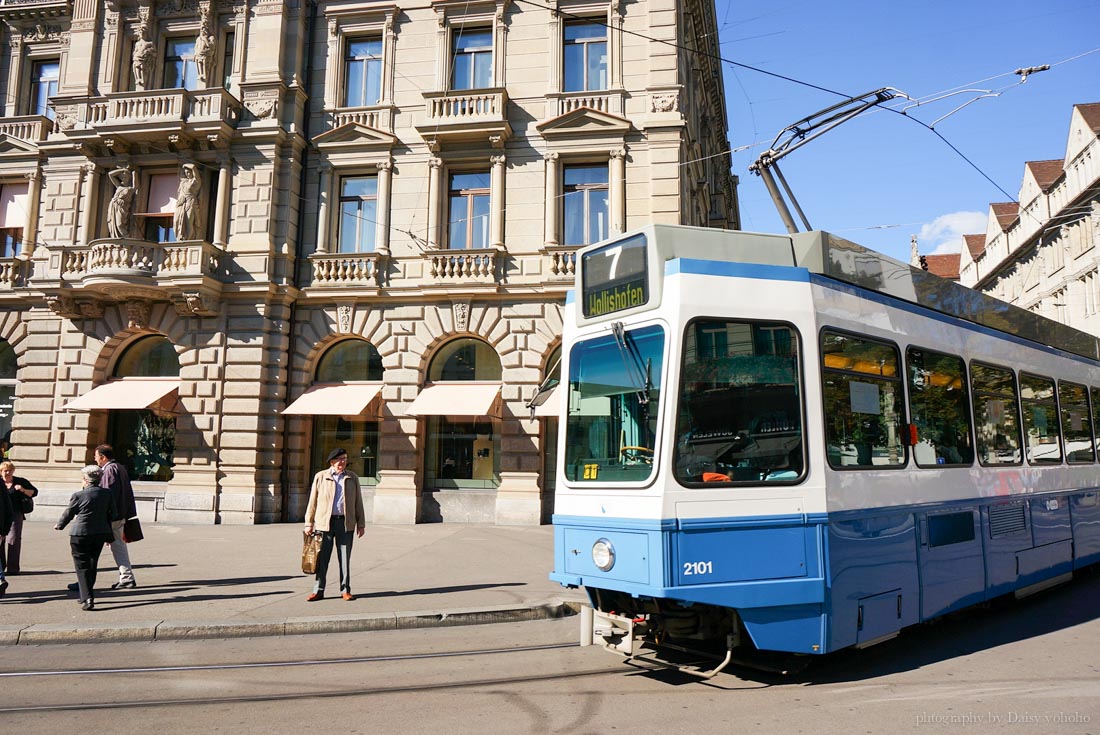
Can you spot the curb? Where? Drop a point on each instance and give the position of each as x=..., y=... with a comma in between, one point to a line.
x=166, y=630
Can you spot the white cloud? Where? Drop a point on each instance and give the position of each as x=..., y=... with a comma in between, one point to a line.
x=944, y=234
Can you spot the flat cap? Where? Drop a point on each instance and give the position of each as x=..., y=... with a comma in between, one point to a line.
x=335, y=453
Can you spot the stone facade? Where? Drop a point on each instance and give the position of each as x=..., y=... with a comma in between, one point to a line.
x=1042, y=252
x=273, y=128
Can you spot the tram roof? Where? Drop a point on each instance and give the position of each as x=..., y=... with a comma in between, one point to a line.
x=835, y=257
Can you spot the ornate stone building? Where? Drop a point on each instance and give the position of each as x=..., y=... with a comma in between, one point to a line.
x=238, y=233
x=1042, y=252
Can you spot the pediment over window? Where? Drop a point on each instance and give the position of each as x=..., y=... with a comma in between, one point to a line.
x=10, y=144
x=584, y=122
x=355, y=136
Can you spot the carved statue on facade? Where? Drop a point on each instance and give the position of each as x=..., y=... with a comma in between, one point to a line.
x=205, y=46
x=188, y=213
x=120, y=210
x=145, y=54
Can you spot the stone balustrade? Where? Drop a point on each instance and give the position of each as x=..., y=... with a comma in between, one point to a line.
x=126, y=109
x=347, y=269
x=446, y=108
x=562, y=262
x=31, y=128
x=13, y=273
x=464, y=266
x=139, y=257
x=378, y=117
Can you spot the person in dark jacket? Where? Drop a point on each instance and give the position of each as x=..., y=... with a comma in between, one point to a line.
x=6, y=518
x=91, y=511
x=18, y=489
x=117, y=480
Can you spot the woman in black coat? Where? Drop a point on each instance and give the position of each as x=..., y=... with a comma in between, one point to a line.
x=18, y=489
x=91, y=511
x=6, y=516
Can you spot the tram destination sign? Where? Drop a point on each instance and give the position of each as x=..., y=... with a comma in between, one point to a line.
x=614, y=277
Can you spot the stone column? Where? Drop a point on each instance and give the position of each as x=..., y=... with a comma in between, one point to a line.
x=30, y=229
x=15, y=72
x=382, y=231
x=496, y=201
x=221, y=207
x=617, y=191
x=89, y=202
x=435, y=184
x=553, y=204
x=322, y=207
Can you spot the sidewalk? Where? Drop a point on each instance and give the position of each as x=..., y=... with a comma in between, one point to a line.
x=231, y=581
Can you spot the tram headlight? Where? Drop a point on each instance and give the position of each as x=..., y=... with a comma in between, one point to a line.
x=603, y=554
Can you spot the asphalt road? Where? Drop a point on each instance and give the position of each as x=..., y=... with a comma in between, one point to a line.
x=1025, y=667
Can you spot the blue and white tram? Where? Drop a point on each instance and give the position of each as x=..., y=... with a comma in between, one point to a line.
x=792, y=443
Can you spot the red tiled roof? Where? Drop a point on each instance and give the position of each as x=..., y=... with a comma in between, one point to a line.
x=1006, y=213
x=1045, y=172
x=1091, y=113
x=975, y=244
x=944, y=266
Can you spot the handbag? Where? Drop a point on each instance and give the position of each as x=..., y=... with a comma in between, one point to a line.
x=27, y=503
x=311, y=547
x=131, y=530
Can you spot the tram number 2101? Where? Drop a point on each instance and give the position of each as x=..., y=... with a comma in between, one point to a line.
x=694, y=568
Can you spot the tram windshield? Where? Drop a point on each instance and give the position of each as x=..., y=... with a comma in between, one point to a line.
x=740, y=411
x=614, y=394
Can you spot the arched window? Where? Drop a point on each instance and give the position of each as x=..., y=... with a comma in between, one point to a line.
x=463, y=451
x=7, y=396
x=144, y=440
x=349, y=361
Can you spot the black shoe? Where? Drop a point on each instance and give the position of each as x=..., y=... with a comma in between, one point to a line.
x=124, y=585
x=3, y=587
x=88, y=604
x=74, y=587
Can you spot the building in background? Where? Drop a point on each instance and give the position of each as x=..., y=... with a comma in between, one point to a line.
x=1042, y=252
x=238, y=233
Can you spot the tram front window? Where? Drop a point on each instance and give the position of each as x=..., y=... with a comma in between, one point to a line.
x=740, y=411
x=614, y=393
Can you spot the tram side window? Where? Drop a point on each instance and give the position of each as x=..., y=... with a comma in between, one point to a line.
x=1094, y=393
x=863, y=403
x=1076, y=422
x=996, y=413
x=740, y=410
x=1041, y=434
x=940, y=408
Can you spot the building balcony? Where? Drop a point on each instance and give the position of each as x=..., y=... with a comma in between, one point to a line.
x=31, y=128
x=188, y=273
x=464, y=268
x=13, y=273
x=561, y=263
x=347, y=270
x=379, y=117
x=149, y=116
x=607, y=101
x=467, y=115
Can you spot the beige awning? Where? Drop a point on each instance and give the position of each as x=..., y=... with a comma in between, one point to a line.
x=549, y=404
x=343, y=399
x=457, y=399
x=127, y=393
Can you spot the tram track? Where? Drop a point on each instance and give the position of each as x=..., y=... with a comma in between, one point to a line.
x=297, y=694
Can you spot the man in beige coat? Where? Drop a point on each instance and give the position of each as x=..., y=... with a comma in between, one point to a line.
x=335, y=509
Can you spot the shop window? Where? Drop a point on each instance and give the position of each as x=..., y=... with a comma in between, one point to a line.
x=7, y=396
x=351, y=360
x=145, y=441
x=463, y=452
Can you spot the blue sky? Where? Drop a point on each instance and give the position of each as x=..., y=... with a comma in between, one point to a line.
x=880, y=178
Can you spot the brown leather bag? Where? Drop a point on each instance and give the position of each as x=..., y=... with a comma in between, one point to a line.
x=311, y=547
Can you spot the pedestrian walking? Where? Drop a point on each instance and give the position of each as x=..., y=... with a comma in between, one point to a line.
x=335, y=508
x=19, y=491
x=117, y=480
x=91, y=512
x=5, y=527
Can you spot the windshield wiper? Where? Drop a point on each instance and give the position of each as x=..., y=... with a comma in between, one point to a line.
x=543, y=392
x=637, y=369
